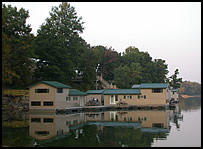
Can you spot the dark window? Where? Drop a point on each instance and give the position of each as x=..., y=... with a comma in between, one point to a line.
x=124, y=97
x=37, y=120
x=48, y=120
x=116, y=98
x=35, y=103
x=157, y=90
x=59, y=90
x=48, y=103
x=144, y=96
x=138, y=96
x=68, y=98
x=68, y=122
x=75, y=98
x=41, y=90
x=42, y=133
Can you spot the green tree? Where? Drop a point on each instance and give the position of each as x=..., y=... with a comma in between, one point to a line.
x=17, y=51
x=59, y=46
x=110, y=58
x=174, y=81
x=141, y=68
x=122, y=78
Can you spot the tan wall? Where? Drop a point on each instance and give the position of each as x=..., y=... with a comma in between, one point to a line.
x=61, y=102
x=151, y=98
x=42, y=96
x=74, y=103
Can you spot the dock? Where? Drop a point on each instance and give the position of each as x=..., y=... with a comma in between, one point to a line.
x=71, y=110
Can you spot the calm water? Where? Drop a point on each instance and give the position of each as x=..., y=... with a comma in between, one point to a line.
x=147, y=128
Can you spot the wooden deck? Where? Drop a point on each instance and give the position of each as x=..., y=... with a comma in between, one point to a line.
x=110, y=108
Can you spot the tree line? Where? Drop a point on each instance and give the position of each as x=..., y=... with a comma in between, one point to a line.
x=190, y=88
x=59, y=53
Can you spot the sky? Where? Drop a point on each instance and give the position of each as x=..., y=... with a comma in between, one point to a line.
x=170, y=31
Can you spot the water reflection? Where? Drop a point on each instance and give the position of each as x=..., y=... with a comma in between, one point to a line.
x=103, y=128
x=190, y=104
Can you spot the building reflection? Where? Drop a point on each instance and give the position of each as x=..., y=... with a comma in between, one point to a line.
x=48, y=125
x=146, y=120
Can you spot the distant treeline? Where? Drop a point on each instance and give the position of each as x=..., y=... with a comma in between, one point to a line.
x=190, y=88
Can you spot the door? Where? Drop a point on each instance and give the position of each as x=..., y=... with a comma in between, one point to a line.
x=113, y=99
x=82, y=101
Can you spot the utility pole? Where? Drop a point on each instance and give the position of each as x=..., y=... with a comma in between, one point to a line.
x=96, y=74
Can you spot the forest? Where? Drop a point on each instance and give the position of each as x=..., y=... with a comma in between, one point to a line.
x=59, y=53
x=190, y=88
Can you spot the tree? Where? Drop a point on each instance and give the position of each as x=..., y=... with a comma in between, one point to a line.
x=59, y=46
x=141, y=67
x=110, y=57
x=122, y=78
x=174, y=81
x=16, y=47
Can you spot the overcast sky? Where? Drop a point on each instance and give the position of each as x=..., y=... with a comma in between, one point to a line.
x=167, y=30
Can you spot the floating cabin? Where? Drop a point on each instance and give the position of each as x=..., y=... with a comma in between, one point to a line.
x=153, y=93
x=54, y=95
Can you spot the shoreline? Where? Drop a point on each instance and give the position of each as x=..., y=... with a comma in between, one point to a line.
x=189, y=96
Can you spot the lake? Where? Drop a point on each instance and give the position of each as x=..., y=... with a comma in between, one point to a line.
x=178, y=127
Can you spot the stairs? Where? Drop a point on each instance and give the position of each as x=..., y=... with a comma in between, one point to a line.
x=105, y=84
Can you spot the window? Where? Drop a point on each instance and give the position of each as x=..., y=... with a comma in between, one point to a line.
x=41, y=90
x=68, y=98
x=75, y=98
x=138, y=96
x=144, y=96
x=129, y=97
x=48, y=120
x=124, y=97
x=37, y=120
x=48, y=103
x=68, y=122
x=59, y=90
x=35, y=103
x=157, y=90
x=42, y=133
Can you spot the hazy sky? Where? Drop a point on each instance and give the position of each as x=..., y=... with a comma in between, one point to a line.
x=167, y=30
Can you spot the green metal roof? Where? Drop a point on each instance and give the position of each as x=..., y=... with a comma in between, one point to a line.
x=151, y=85
x=121, y=91
x=75, y=92
x=54, y=84
x=95, y=91
x=175, y=90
